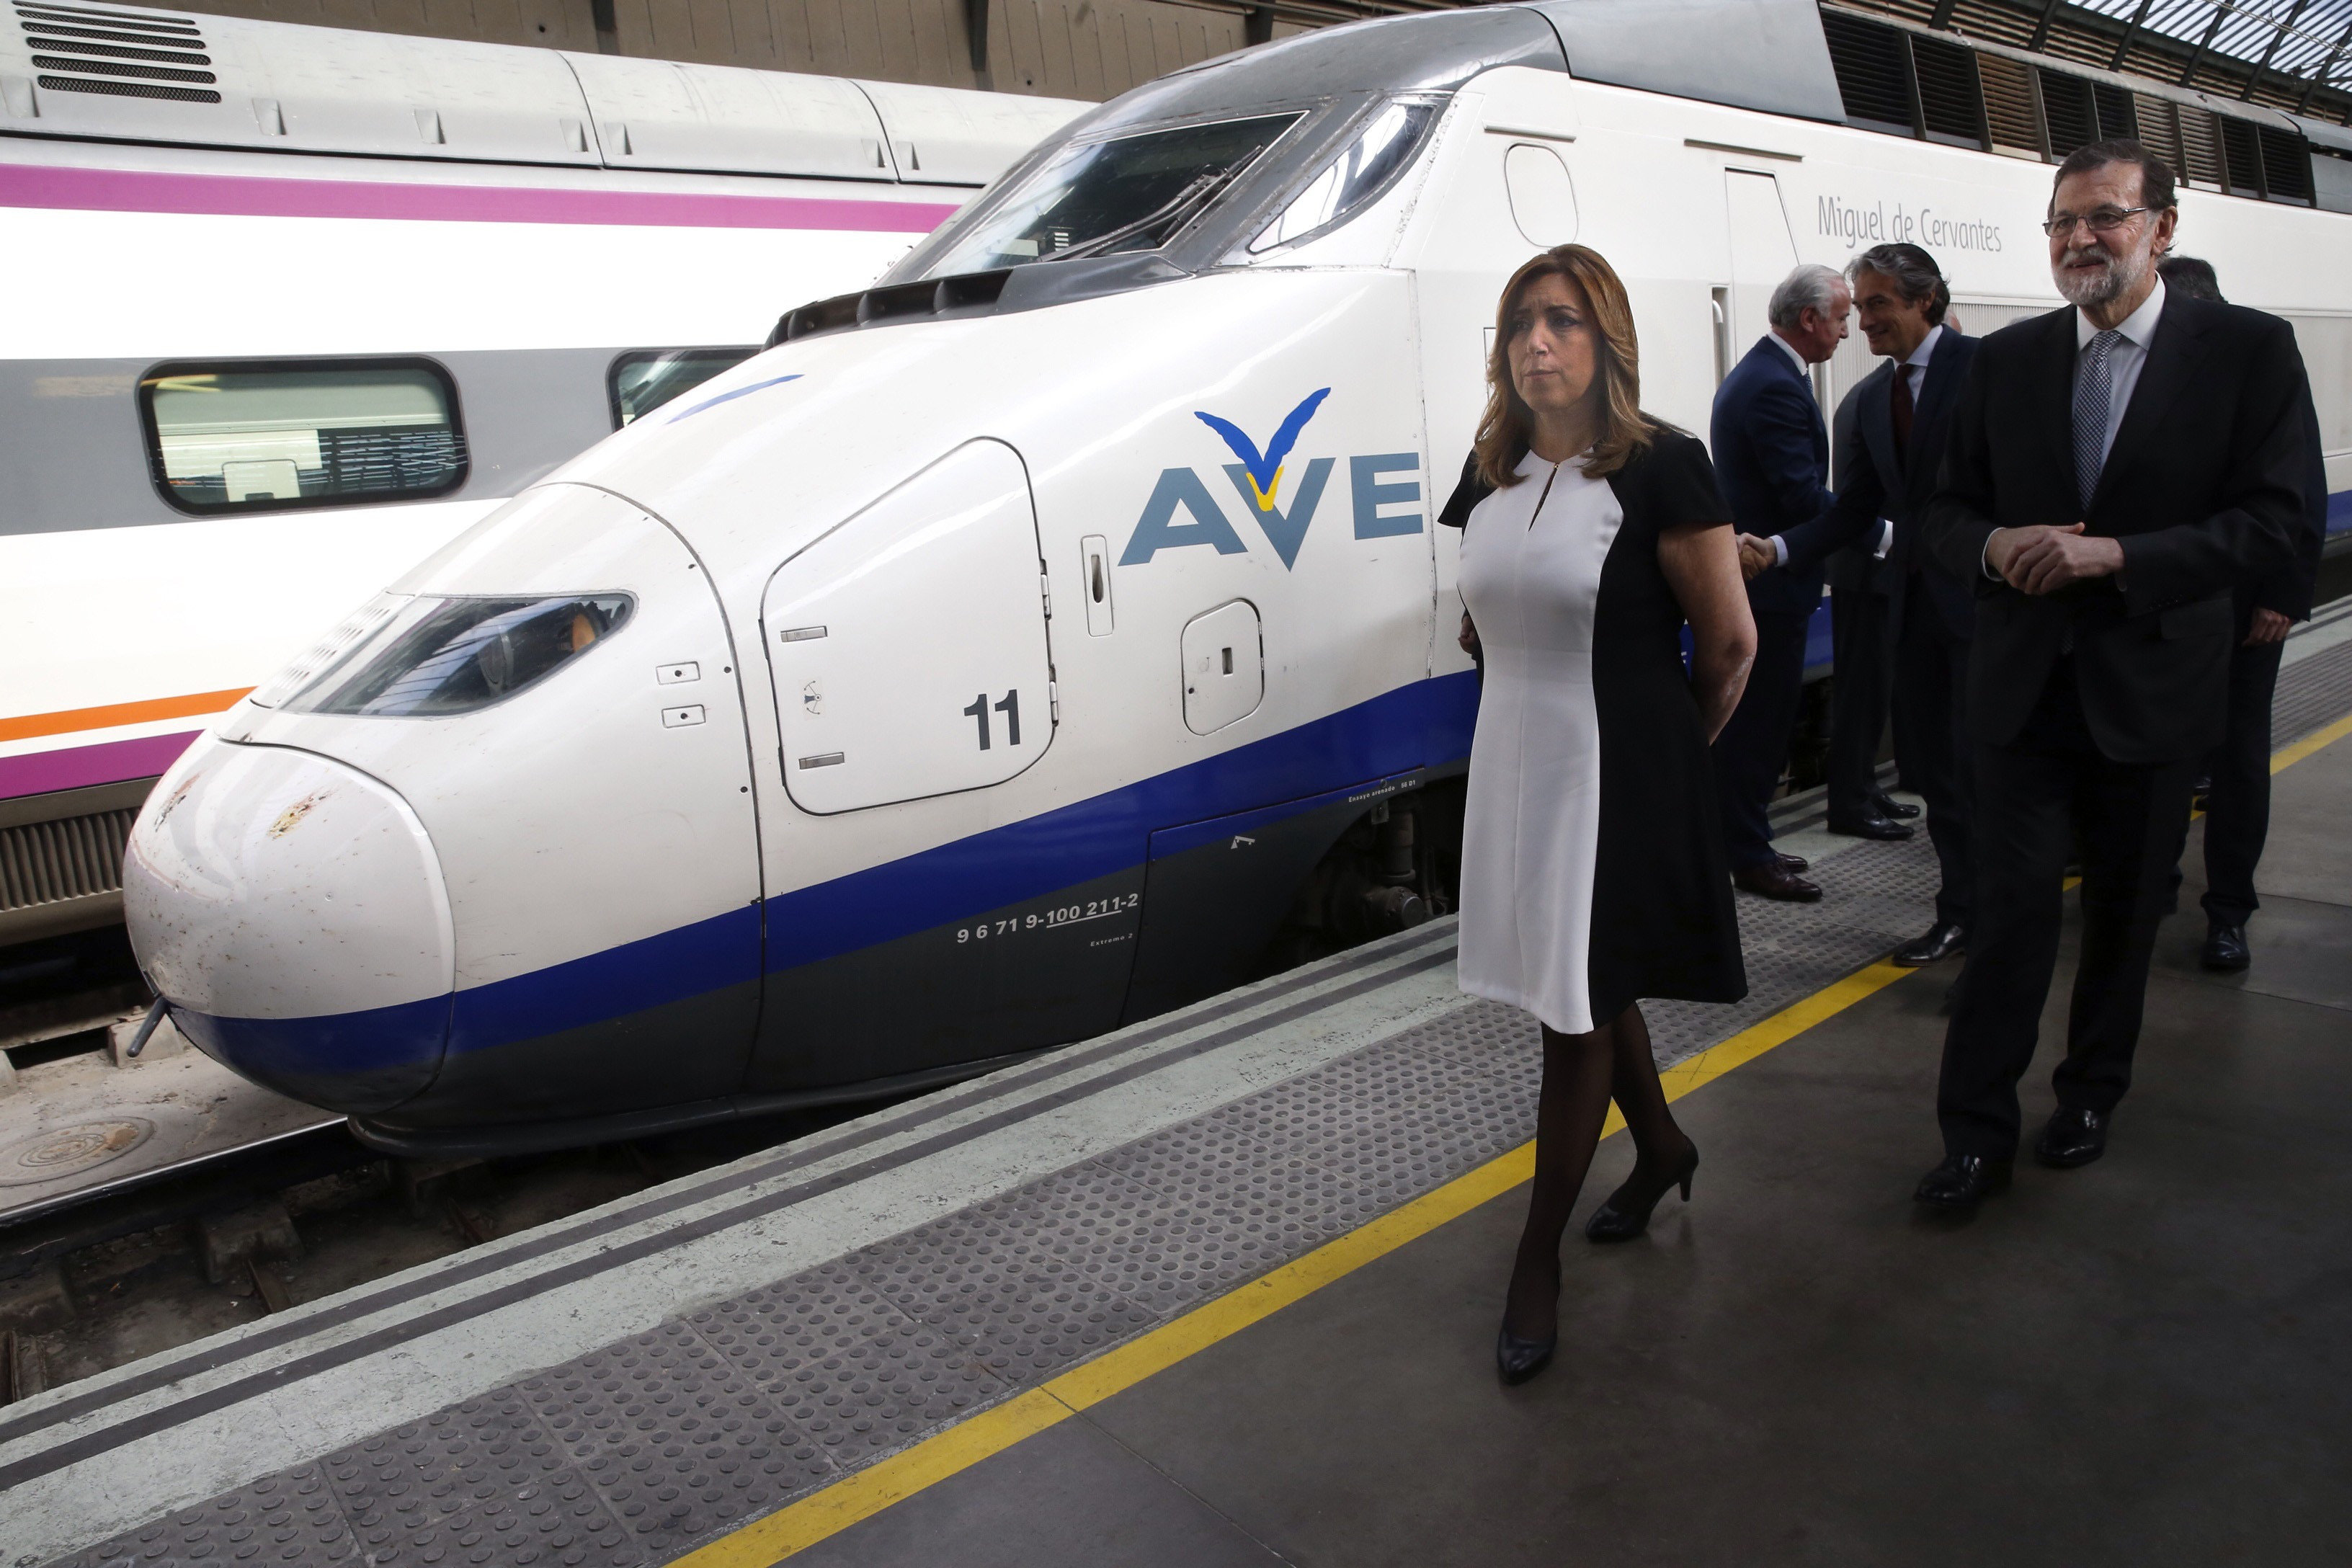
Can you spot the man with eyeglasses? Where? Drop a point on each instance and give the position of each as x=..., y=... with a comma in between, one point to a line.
x=2116, y=470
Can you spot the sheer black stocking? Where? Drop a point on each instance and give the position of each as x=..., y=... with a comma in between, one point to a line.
x=1659, y=1145
x=1581, y=1073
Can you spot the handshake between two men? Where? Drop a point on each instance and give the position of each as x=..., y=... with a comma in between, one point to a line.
x=2036, y=559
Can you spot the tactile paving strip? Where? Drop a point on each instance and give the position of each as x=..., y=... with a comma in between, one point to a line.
x=636, y=1452
x=2314, y=692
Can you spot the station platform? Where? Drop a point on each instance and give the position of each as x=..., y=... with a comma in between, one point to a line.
x=1222, y=1288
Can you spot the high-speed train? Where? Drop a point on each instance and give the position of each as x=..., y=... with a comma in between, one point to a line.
x=1028, y=642
x=291, y=307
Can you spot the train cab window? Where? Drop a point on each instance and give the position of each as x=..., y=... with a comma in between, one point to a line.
x=1107, y=198
x=643, y=380
x=273, y=436
x=434, y=656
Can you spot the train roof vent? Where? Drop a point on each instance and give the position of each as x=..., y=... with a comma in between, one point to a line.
x=129, y=73
x=118, y=54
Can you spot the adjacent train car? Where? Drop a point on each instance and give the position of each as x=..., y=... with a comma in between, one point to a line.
x=1024, y=644
x=294, y=306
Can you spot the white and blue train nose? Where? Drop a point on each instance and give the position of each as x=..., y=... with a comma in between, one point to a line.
x=488, y=854
x=293, y=911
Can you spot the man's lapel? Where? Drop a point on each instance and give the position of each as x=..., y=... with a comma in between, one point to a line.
x=1941, y=384
x=2171, y=363
x=2055, y=380
x=1874, y=422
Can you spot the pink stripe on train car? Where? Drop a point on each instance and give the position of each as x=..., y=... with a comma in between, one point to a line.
x=132, y=190
x=77, y=767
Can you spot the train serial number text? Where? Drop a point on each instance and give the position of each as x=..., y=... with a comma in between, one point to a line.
x=1047, y=919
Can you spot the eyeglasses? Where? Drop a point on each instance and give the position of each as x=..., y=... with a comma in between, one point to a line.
x=2105, y=220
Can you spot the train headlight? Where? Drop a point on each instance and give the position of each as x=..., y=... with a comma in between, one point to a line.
x=431, y=655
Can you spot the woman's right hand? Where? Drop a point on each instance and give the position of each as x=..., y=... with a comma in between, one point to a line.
x=1469, y=637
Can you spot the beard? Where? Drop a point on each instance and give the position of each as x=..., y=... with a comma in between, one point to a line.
x=2090, y=290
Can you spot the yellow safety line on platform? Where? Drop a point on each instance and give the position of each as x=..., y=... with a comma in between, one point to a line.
x=2286, y=757
x=868, y=1491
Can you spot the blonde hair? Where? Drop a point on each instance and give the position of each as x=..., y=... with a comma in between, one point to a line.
x=1624, y=429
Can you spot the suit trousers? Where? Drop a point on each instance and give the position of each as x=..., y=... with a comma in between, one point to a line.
x=2238, y=807
x=1753, y=749
x=1931, y=744
x=2033, y=794
x=1862, y=674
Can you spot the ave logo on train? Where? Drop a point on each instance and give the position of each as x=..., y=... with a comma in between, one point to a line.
x=1256, y=482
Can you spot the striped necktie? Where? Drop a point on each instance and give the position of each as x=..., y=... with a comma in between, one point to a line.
x=2094, y=389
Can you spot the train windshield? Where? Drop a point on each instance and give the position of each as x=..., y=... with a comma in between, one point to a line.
x=1105, y=198
x=428, y=656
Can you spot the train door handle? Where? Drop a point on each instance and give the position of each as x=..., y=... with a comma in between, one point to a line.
x=1095, y=584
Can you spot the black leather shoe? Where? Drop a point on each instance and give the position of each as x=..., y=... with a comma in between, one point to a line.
x=1774, y=881
x=1795, y=865
x=1961, y=1182
x=1625, y=1213
x=2225, y=948
x=1900, y=810
x=1944, y=939
x=1870, y=826
x=2073, y=1137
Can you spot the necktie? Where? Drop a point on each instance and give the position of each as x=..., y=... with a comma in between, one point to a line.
x=2094, y=386
x=1902, y=409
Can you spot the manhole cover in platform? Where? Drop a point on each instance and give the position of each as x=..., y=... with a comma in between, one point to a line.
x=67, y=1150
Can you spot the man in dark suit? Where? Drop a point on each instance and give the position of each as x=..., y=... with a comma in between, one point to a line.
x=1887, y=476
x=1771, y=456
x=2116, y=470
x=1862, y=655
x=2238, y=805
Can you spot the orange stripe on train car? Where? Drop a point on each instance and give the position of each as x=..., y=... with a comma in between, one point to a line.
x=114, y=713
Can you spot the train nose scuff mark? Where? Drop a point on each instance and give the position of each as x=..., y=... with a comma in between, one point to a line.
x=291, y=818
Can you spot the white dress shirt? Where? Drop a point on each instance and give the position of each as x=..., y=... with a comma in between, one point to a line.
x=1794, y=357
x=1916, y=369
x=2124, y=362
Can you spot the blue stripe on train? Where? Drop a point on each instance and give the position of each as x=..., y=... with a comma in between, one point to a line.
x=1420, y=725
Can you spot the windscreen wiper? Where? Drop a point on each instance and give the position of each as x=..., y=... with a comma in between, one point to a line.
x=1172, y=211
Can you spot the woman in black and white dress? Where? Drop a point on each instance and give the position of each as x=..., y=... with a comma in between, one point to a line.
x=1593, y=865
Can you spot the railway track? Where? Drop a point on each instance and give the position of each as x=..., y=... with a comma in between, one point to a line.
x=128, y=1267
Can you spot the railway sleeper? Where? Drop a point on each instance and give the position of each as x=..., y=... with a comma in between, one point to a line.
x=250, y=1233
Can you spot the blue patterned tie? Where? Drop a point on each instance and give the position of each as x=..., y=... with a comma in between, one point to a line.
x=2094, y=386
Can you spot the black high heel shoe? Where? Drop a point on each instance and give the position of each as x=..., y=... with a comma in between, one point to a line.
x=1626, y=1213
x=1517, y=1360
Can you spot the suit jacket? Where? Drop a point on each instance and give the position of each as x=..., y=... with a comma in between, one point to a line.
x=1877, y=482
x=1771, y=454
x=2289, y=590
x=1851, y=569
x=2204, y=488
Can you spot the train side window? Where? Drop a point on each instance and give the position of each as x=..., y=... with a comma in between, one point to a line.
x=273, y=435
x=644, y=379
